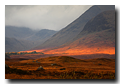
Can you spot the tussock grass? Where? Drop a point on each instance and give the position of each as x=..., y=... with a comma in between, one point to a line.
x=16, y=71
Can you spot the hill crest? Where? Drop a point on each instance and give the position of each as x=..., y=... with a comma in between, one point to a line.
x=95, y=41
x=67, y=34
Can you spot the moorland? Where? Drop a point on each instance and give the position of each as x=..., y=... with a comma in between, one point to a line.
x=60, y=67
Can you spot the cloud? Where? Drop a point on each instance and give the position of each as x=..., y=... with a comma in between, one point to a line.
x=53, y=17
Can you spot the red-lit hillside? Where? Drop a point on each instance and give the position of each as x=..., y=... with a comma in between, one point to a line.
x=98, y=36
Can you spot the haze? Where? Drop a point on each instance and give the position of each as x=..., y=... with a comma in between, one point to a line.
x=54, y=17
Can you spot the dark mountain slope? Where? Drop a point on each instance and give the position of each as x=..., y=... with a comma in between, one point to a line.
x=103, y=21
x=73, y=29
x=14, y=45
x=18, y=32
x=43, y=34
x=21, y=38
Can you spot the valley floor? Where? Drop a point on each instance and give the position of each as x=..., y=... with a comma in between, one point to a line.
x=60, y=67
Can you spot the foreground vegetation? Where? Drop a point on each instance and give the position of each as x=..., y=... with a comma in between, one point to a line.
x=60, y=67
x=60, y=75
x=87, y=75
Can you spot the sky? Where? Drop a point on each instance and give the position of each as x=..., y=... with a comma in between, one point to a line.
x=54, y=17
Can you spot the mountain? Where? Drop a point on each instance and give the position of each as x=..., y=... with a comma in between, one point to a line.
x=18, y=32
x=12, y=44
x=67, y=34
x=27, y=33
x=103, y=21
x=98, y=36
x=15, y=45
x=42, y=35
x=21, y=38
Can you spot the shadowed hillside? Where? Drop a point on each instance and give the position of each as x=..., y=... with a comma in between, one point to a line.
x=18, y=32
x=43, y=35
x=14, y=45
x=103, y=21
x=21, y=38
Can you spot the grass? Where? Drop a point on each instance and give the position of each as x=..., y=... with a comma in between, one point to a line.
x=102, y=75
x=84, y=69
x=71, y=75
x=16, y=71
x=81, y=75
x=69, y=59
x=64, y=75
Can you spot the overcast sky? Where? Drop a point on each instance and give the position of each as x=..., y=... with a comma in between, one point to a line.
x=53, y=17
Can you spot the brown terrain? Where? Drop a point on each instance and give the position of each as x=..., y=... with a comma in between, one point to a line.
x=60, y=67
x=85, y=49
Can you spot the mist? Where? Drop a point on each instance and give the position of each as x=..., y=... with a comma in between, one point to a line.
x=54, y=17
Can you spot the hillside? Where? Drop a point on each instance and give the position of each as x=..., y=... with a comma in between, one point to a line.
x=98, y=36
x=14, y=45
x=18, y=32
x=73, y=29
x=103, y=21
x=42, y=35
x=21, y=38
x=59, y=59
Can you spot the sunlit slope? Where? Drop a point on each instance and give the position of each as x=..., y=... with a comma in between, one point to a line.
x=98, y=36
x=74, y=28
